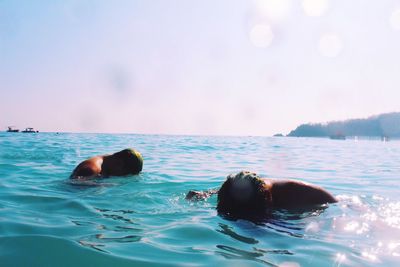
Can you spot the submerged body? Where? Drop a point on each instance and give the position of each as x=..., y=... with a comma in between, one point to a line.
x=246, y=194
x=124, y=162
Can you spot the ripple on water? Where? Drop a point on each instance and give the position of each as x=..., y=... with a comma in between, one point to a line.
x=54, y=251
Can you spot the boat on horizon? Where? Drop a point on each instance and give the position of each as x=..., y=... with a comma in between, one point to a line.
x=29, y=130
x=385, y=138
x=11, y=129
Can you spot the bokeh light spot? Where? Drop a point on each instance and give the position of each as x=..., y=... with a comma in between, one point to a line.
x=330, y=45
x=275, y=10
x=261, y=35
x=315, y=8
x=395, y=19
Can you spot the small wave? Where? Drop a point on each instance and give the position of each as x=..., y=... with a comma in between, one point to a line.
x=239, y=254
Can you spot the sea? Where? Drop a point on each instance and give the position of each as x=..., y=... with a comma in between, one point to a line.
x=144, y=220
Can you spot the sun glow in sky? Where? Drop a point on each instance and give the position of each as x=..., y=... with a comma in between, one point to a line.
x=196, y=67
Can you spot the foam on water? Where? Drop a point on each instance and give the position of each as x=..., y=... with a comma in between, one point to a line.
x=47, y=220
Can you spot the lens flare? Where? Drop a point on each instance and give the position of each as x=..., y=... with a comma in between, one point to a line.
x=275, y=10
x=395, y=19
x=315, y=8
x=261, y=35
x=330, y=45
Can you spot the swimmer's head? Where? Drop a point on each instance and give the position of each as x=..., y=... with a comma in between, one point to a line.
x=243, y=194
x=127, y=161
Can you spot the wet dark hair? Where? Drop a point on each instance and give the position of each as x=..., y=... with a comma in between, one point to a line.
x=132, y=160
x=256, y=204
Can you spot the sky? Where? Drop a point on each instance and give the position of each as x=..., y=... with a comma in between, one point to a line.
x=226, y=67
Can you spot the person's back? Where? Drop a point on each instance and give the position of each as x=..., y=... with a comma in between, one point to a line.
x=293, y=194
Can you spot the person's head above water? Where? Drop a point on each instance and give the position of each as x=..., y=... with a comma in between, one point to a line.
x=243, y=192
x=124, y=162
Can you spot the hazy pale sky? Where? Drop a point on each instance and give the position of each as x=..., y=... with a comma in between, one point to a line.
x=196, y=67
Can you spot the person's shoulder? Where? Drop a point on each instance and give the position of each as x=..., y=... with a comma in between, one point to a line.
x=89, y=167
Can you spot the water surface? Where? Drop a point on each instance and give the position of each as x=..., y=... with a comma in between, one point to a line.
x=144, y=220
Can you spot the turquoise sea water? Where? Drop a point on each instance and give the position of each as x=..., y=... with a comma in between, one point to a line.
x=144, y=220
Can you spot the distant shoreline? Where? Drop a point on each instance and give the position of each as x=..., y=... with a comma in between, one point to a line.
x=380, y=126
x=348, y=138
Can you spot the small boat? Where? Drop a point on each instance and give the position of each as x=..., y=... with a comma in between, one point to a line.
x=11, y=129
x=385, y=138
x=338, y=137
x=29, y=130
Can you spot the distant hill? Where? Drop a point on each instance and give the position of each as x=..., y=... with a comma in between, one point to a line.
x=380, y=125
